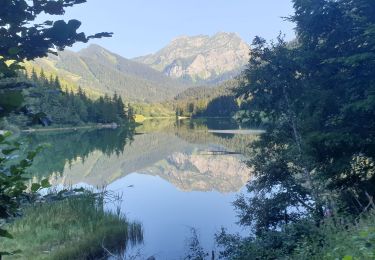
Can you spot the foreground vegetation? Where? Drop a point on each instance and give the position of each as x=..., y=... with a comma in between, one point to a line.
x=335, y=238
x=74, y=228
x=338, y=238
x=24, y=38
x=314, y=170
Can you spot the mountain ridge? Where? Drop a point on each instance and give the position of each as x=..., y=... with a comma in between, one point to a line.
x=102, y=71
x=201, y=58
x=188, y=61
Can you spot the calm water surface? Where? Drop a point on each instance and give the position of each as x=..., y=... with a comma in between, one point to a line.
x=172, y=176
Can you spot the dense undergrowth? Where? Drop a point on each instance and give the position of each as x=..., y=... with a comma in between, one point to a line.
x=335, y=238
x=339, y=239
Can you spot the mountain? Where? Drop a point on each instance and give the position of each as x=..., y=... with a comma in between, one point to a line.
x=159, y=154
x=201, y=59
x=100, y=71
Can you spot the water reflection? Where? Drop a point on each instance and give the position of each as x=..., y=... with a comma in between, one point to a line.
x=198, y=171
x=167, y=214
x=65, y=148
x=179, y=152
x=174, y=175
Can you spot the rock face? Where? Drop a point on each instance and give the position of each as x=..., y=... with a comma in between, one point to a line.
x=201, y=59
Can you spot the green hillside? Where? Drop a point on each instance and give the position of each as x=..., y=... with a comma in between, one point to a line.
x=219, y=101
x=99, y=71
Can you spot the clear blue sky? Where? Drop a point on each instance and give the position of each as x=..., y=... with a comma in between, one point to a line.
x=144, y=26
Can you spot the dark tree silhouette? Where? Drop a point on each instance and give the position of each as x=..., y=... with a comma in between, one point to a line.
x=21, y=37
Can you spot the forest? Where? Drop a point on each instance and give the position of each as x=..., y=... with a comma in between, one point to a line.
x=44, y=101
x=218, y=101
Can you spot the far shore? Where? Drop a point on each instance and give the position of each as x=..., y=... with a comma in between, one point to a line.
x=238, y=132
x=99, y=126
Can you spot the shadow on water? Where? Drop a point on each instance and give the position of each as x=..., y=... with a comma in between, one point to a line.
x=210, y=123
x=65, y=147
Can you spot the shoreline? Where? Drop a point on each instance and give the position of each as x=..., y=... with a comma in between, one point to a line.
x=74, y=128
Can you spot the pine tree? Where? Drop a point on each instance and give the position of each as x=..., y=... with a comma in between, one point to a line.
x=51, y=81
x=120, y=107
x=57, y=84
x=43, y=79
x=34, y=76
x=130, y=113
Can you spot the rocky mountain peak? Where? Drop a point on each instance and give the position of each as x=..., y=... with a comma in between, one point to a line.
x=201, y=58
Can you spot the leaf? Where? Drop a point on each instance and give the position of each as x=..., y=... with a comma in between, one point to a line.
x=13, y=50
x=31, y=155
x=347, y=257
x=45, y=183
x=14, y=170
x=11, y=253
x=79, y=190
x=4, y=233
x=364, y=234
x=19, y=251
x=35, y=187
x=8, y=151
x=62, y=192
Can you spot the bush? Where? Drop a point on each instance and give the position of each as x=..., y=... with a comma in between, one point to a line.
x=339, y=239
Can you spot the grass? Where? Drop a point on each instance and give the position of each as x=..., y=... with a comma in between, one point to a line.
x=74, y=228
x=340, y=239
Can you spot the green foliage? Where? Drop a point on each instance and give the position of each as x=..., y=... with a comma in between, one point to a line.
x=68, y=82
x=12, y=182
x=10, y=101
x=217, y=101
x=99, y=71
x=73, y=228
x=223, y=106
x=340, y=239
x=22, y=37
x=153, y=109
x=195, y=251
x=315, y=97
x=335, y=238
x=46, y=103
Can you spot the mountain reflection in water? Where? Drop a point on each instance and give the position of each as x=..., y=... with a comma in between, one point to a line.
x=185, y=156
x=173, y=176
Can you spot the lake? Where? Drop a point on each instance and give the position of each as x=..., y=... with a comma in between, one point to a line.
x=172, y=176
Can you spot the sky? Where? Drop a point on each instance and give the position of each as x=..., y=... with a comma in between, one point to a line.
x=142, y=27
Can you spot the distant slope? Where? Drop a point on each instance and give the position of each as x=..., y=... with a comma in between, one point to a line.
x=201, y=59
x=198, y=93
x=218, y=101
x=100, y=71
